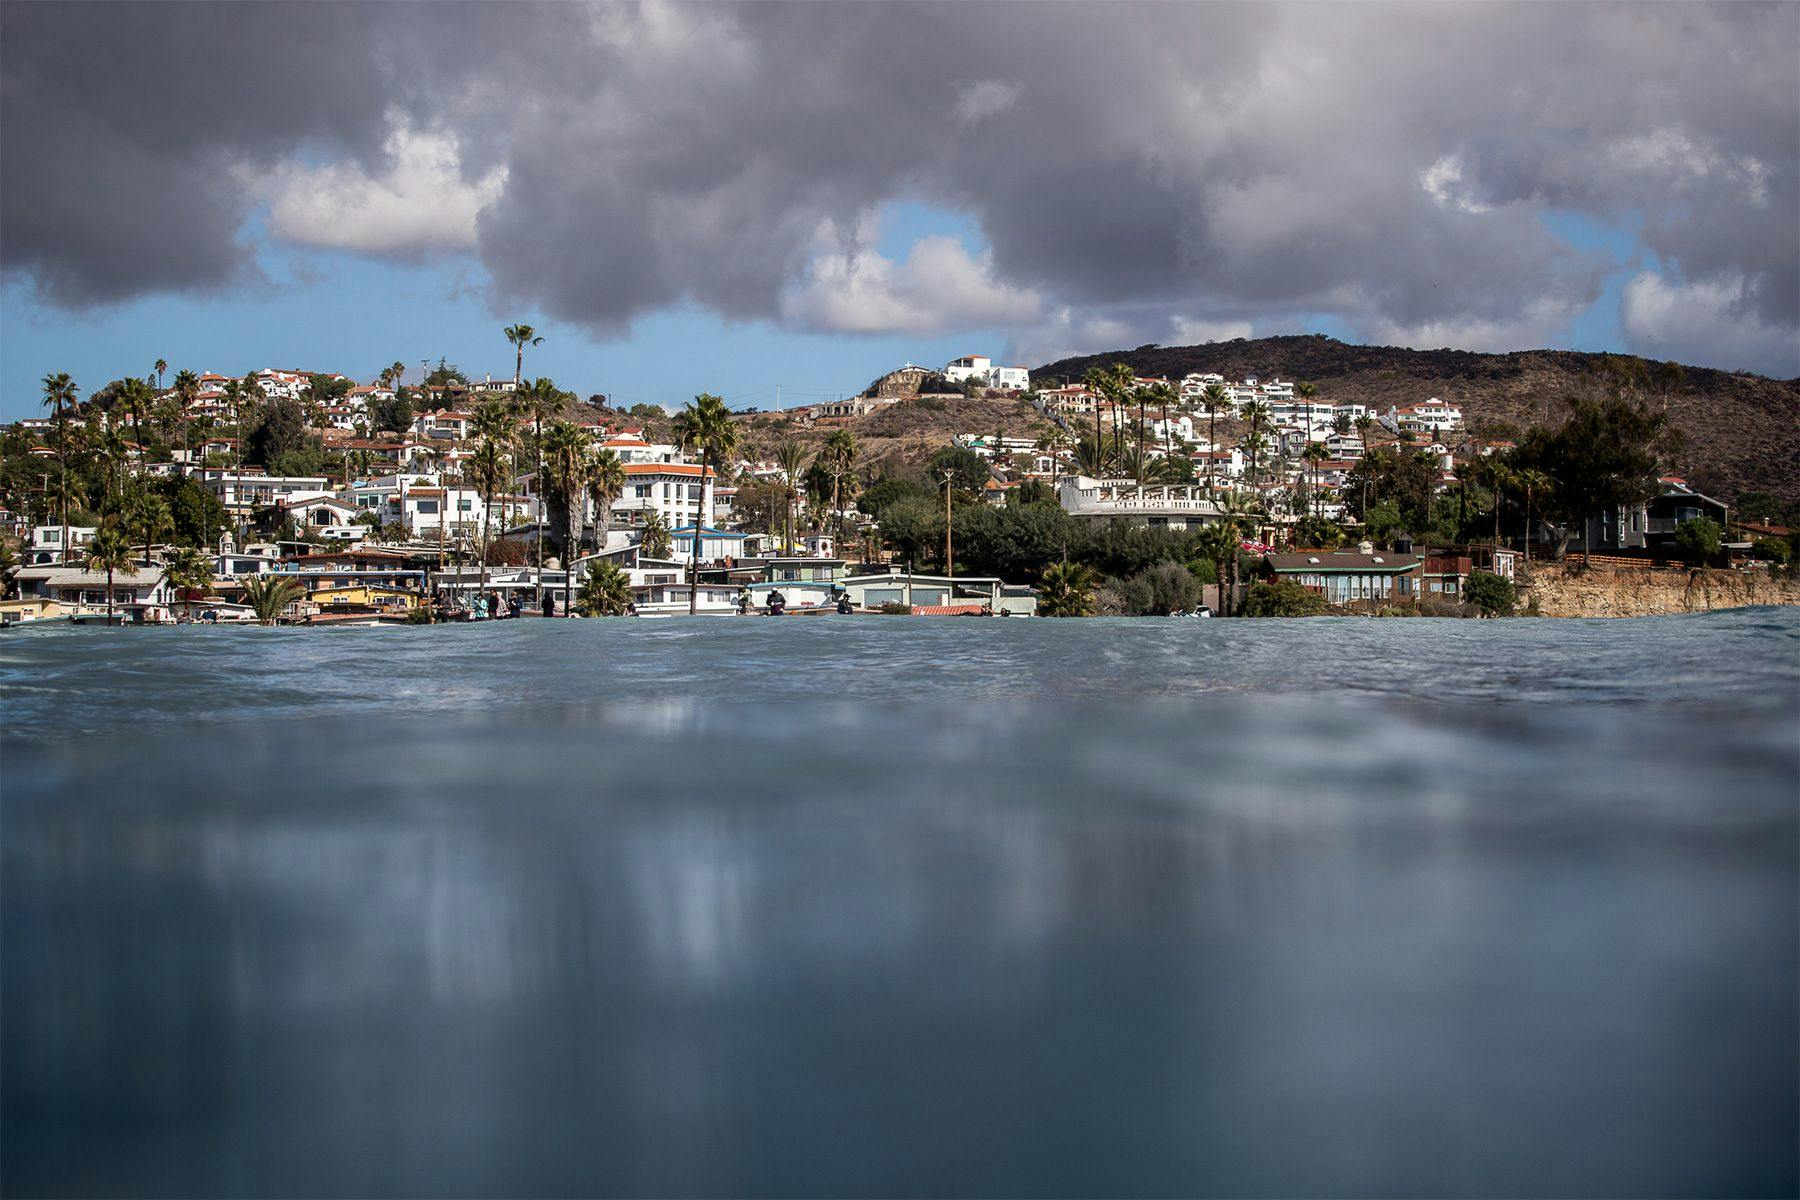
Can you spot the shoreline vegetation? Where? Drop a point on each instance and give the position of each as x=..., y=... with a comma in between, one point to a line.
x=294, y=497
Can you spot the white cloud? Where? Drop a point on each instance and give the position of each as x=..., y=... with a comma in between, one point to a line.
x=1443, y=181
x=988, y=98
x=1067, y=333
x=1188, y=331
x=937, y=288
x=420, y=203
x=1709, y=321
x=1673, y=156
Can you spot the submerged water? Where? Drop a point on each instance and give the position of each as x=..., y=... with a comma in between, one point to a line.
x=909, y=907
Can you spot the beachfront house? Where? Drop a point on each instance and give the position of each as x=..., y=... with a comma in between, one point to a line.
x=1347, y=578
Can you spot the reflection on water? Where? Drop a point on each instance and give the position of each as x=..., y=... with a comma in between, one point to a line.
x=913, y=936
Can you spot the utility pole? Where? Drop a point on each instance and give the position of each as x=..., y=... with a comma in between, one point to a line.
x=949, y=562
x=778, y=397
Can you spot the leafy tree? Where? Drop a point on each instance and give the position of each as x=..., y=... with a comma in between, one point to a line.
x=393, y=412
x=445, y=374
x=1283, y=598
x=1698, y=540
x=968, y=472
x=1067, y=590
x=197, y=516
x=279, y=430
x=605, y=592
x=1603, y=455
x=1773, y=549
x=1494, y=595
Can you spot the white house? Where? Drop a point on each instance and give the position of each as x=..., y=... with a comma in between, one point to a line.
x=1163, y=506
x=46, y=543
x=242, y=492
x=1010, y=379
x=675, y=491
x=969, y=366
x=1431, y=416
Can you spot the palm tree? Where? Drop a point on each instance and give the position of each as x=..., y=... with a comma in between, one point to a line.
x=1213, y=401
x=1314, y=455
x=567, y=456
x=269, y=596
x=705, y=425
x=109, y=445
x=1218, y=544
x=189, y=570
x=1532, y=480
x=147, y=515
x=1066, y=590
x=656, y=542
x=520, y=336
x=791, y=456
x=491, y=467
x=1257, y=413
x=9, y=568
x=137, y=397
x=59, y=395
x=605, y=484
x=110, y=552
x=187, y=390
x=1164, y=396
x=838, y=457
x=605, y=591
x=541, y=402
x=162, y=364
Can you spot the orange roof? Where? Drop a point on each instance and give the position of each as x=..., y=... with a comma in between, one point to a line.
x=664, y=469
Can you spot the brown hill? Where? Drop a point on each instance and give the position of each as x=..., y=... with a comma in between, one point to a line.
x=1742, y=430
x=906, y=432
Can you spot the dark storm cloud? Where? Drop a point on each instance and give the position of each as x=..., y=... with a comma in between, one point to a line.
x=1128, y=165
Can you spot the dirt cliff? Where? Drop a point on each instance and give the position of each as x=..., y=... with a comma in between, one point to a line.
x=1568, y=591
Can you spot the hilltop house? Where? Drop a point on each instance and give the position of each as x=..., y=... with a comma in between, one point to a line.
x=1158, y=505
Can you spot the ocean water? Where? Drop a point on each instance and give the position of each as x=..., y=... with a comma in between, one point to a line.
x=845, y=906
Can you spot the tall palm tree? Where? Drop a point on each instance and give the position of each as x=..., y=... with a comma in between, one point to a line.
x=1215, y=400
x=1217, y=543
x=491, y=467
x=269, y=596
x=838, y=459
x=520, y=336
x=189, y=570
x=162, y=364
x=542, y=401
x=1164, y=395
x=59, y=396
x=1364, y=424
x=1306, y=392
x=1257, y=413
x=137, y=397
x=1531, y=480
x=567, y=456
x=110, y=552
x=109, y=446
x=791, y=456
x=704, y=425
x=605, y=484
x=1314, y=455
x=187, y=390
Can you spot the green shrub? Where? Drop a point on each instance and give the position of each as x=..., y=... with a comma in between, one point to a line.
x=1492, y=594
x=1284, y=598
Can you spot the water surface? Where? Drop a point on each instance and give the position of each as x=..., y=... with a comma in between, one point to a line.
x=903, y=907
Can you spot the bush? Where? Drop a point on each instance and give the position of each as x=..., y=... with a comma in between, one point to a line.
x=1157, y=591
x=1773, y=549
x=1284, y=598
x=893, y=608
x=1490, y=593
x=1697, y=540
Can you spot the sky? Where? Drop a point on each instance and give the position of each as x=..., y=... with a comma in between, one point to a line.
x=687, y=198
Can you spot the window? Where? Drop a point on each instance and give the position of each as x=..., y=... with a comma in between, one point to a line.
x=465, y=505
x=427, y=506
x=643, y=491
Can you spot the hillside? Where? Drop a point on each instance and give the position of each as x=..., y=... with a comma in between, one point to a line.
x=906, y=432
x=1742, y=431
